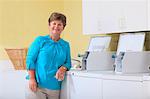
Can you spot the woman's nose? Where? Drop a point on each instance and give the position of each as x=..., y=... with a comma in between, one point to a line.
x=56, y=25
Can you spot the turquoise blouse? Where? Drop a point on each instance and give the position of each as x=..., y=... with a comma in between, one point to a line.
x=45, y=56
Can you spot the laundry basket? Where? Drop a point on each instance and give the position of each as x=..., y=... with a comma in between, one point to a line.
x=17, y=57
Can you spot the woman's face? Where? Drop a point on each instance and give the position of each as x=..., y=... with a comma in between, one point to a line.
x=56, y=27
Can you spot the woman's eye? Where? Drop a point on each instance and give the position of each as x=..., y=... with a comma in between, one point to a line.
x=59, y=24
x=54, y=23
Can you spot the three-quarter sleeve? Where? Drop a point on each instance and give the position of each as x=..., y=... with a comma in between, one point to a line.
x=32, y=54
x=68, y=59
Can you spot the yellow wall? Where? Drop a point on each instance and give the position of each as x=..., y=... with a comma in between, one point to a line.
x=73, y=32
x=22, y=20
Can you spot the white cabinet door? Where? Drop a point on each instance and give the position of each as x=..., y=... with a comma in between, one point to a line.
x=148, y=14
x=90, y=16
x=111, y=16
x=85, y=88
x=108, y=16
x=64, y=94
x=115, y=89
x=133, y=15
x=100, y=16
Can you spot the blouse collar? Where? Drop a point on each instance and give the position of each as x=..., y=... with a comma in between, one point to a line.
x=53, y=40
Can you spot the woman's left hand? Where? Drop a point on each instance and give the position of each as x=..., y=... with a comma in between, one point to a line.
x=60, y=74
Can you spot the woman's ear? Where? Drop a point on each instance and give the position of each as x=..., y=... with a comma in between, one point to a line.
x=63, y=27
x=49, y=27
x=48, y=24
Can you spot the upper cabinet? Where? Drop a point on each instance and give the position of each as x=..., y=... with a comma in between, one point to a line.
x=148, y=14
x=112, y=16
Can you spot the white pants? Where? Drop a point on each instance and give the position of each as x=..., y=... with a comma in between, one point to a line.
x=41, y=93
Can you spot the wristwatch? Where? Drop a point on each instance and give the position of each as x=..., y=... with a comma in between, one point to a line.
x=64, y=67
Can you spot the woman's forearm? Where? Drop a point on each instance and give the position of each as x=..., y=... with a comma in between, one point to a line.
x=31, y=74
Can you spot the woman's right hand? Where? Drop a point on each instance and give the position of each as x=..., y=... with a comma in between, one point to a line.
x=33, y=85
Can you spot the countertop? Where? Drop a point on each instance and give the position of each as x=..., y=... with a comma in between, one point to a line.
x=111, y=75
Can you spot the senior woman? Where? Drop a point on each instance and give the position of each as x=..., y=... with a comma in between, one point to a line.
x=48, y=59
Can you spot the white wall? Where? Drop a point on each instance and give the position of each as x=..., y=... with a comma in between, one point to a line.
x=12, y=82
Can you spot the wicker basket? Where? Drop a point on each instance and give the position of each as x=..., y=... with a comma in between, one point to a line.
x=17, y=57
